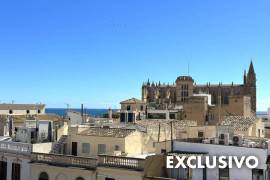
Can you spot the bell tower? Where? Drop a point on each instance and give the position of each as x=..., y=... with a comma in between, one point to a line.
x=184, y=88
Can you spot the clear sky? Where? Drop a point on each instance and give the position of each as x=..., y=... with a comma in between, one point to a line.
x=100, y=52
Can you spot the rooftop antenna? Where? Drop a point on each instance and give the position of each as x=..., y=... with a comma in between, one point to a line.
x=188, y=68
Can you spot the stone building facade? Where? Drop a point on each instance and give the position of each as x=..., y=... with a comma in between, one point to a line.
x=204, y=102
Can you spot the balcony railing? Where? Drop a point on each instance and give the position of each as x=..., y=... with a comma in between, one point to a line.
x=121, y=162
x=65, y=160
x=15, y=147
x=89, y=163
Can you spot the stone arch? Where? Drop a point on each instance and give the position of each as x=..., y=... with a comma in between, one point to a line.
x=43, y=176
x=61, y=176
x=80, y=178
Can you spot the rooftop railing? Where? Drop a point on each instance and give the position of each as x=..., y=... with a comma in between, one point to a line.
x=90, y=163
x=121, y=162
x=15, y=147
x=65, y=160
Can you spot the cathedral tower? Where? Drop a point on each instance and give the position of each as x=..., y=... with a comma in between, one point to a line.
x=250, y=86
x=184, y=88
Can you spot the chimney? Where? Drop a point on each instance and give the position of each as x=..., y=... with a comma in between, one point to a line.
x=110, y=113
x=82, y=112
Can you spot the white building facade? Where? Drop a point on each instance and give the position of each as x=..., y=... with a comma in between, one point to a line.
x=234, y=173
x=14, y=160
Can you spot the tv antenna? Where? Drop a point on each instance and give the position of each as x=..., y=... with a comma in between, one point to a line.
x=188, y=68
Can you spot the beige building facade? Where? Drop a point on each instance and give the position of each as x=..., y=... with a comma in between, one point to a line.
x=22, y=109
x=92, y=141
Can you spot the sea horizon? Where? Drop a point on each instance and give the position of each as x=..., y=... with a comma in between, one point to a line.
x=94, y=112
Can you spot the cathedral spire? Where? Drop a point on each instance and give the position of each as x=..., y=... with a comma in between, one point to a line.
x=251, y=76
x=245, y=77
x=251, y=68
x=251, y=86
x=148, y=82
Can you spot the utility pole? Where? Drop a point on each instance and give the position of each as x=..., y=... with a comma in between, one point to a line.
x=171, y=136
x=159, y=132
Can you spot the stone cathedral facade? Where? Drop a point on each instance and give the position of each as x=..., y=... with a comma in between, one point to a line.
x=225, y=99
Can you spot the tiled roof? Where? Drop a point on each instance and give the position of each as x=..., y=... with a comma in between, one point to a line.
x=239, y=123
x=21, y=106
x=177, y=124
x=131, y=101
x=107, y=132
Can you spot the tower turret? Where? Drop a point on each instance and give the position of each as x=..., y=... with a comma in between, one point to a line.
x=245, y=77
x=184, y=88
x=251, y=76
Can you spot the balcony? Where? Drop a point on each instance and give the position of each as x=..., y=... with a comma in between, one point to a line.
x=89, y=163
x=121, y=162
x=65, y=160
x=15, y=147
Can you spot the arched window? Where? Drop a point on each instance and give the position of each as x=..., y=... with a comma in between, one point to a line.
x=79, y=178
x=43, y=176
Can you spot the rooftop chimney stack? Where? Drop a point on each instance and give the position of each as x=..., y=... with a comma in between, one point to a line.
x=110, y=113
x=82, y=112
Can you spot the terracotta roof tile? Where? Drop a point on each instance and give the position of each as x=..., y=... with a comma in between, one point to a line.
x=107, y=132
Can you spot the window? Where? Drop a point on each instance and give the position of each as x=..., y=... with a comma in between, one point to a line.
x=3, y=170
x=180, y=173
x=107, y=178
x=257, y=174
x=79, y=178
x=116, y=148
x=101, y=148
x=163, y=151
x=123, y=117
x=38, y=111
x=224, y=174
x=27, y=111
x=131, y=117
x=141, y=107
x=85, y=148
x=200, y=134
x=172, y=116
x=259, y=133
x=16, y=171
x=10, y=111
x=74, y=148
x=128, y=108
x=43, y=176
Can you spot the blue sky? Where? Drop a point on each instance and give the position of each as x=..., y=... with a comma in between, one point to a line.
x=99, y=52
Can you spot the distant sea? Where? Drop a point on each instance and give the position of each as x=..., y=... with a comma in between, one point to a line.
x=100, y=112
x=91, y=112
